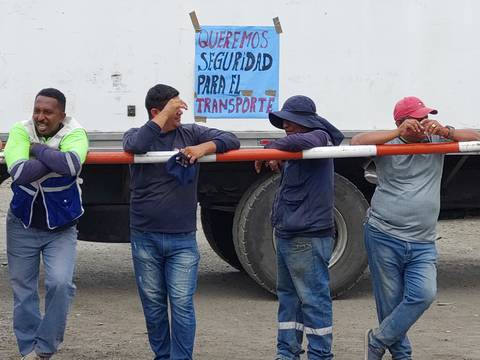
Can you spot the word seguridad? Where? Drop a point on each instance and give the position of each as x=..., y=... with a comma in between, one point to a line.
x=237, y=61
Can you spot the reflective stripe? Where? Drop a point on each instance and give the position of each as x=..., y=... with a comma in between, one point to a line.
x=68, y=156
x=76, y=156
x=27, y=190
x=58, y=188
x=48, y=176
x=79, y=165
x=10, y=169
x=18, y=171
x=290, y=325
x=318, y=332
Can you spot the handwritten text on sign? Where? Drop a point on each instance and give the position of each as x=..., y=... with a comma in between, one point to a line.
x=236, y=71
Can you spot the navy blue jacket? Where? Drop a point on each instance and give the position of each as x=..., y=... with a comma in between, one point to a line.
x=158, y=203
x=303, y=205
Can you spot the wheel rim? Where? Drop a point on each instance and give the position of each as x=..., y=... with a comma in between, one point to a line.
x=339, y=240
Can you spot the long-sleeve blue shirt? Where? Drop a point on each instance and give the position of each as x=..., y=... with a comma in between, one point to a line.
x=303, y=205
x=158, y=203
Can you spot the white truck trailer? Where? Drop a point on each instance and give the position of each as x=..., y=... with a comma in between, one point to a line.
x=354, y=58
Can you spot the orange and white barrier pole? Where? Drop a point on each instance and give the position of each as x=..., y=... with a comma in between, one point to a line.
x=119, y=157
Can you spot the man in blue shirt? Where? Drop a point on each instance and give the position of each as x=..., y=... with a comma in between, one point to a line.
x=163, y=220
x=302, y=217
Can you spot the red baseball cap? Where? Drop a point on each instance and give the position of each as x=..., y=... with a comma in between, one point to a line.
x=411, y=106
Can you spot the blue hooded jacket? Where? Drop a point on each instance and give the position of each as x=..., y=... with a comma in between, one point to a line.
x=303, y=205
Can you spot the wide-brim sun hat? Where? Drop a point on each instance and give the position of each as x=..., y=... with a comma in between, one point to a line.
x=301, y=110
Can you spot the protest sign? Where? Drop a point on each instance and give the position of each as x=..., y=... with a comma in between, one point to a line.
x=236, y=71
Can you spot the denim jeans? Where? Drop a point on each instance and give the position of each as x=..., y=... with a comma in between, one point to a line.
x=304, y=297
x=58, y=251
x=166, y=267
x=404, y=277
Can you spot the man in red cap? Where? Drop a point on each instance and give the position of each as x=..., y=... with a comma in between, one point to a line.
x=400, y=230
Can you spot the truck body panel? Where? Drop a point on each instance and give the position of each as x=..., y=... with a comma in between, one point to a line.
x=354, y=59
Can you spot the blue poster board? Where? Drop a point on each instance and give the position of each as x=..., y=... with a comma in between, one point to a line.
x=236, y=71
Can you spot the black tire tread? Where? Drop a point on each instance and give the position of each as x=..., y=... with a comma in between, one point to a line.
x=363, y=265
x=240, y=221
x=207, y=223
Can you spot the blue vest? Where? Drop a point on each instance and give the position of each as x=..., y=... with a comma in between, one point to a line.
x=62, y=197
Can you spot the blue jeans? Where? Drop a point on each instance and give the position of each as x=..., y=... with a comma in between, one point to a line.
x=404, y=277
x=304, y=297
x=58, y=251
x=166, y=267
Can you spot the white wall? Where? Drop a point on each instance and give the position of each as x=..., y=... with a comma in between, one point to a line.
x=354, y=58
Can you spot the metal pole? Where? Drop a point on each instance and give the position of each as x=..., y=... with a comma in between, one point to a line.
x=120, y=157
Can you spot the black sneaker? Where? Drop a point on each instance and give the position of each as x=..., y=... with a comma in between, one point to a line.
x=370, y=352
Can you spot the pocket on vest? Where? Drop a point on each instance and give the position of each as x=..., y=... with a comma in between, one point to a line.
x=294, y=216
x=63, y=206
x=21, y=204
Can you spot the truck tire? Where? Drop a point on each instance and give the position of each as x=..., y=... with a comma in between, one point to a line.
x=349, y=257
x=254, y=244
x=217, y=227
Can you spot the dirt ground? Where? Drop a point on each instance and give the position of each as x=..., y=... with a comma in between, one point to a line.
x=236, y=318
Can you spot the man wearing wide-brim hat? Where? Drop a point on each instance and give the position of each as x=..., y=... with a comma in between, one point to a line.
x=302, y=217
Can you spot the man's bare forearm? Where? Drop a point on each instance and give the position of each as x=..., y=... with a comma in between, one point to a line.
x=374, y=137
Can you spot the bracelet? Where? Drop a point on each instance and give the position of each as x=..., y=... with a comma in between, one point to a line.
x=451, y=131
